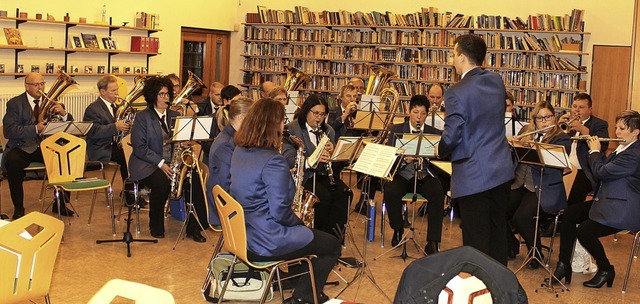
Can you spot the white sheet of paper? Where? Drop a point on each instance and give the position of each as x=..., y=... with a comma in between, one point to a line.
x=183, y=126
x=376, y=160
x=436, y=120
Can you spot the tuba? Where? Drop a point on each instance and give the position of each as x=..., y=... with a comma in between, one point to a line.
x=379, y=77
x=193, y=83
x=126, y=112
x=303, y=200
x=295, y=79
x=55, y=91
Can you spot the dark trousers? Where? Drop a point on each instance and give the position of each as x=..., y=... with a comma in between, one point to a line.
x=430, y=188
x=587, y=232
x=524, y=220
x=117, y=155
x=515, y=197
x=17, y=161
x=160, y=186
x=331, y=212
x=327, y=249
x=580, y=188
x=484, y=222
x=198, y=203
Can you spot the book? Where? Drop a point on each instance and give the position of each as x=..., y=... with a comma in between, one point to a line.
x=90, y=41
x=13, y=36
x=75, y=42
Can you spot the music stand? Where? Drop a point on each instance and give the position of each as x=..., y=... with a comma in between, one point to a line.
x=436, y=120
x=512, y=124
x=290, y=110
x=376, y=160
x=292, y=98
x=190, y=128
x=418, y=146
x=544, y=156
x=77, y=128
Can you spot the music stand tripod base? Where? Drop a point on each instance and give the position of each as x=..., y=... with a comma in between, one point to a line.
x=127, y=237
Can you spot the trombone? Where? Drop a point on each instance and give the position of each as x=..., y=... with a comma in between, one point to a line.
x=588, y=137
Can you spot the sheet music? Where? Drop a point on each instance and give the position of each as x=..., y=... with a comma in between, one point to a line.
x=410, y=143
x=554, y=156
x=436, y=120
x=184, y=125
x=312, y=161
x=292, y=98
x=369, y=103
x=76, y=128
x=443, y=165
x=345, y=147
x=376, y=160
x=289, y=111
x=512, y=125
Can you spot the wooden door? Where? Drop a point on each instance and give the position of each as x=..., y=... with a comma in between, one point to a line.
x=206, y=54
x=610, y=83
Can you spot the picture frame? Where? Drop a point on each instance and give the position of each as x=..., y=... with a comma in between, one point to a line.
x=61, y=67
x=74, y=69
x=49, y=68
x=19, y=68
x=90, y=41
x=127, y=70
x=115, y=69
x=136, y=70
x=2, y=68
x=143, y=70
x=75, y=42
x=88, y=69
x=113, y=44
x=35, y=68
x=106, y=43
x=100, y=69
x=13, y=36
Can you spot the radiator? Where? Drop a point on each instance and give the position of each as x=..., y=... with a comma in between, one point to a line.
x=74, y=102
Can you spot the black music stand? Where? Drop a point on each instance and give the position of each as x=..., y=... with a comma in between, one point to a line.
x=436, y=120
x=190, y=128
x=77, y=128
x=418, y=146
x=380, y=161
x=544, y=156
x=290, y=110
x=512, y=124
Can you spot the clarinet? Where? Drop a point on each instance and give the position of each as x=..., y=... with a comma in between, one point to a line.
x=332, y=180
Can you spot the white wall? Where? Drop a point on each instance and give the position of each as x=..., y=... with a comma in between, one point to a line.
x=610, y=22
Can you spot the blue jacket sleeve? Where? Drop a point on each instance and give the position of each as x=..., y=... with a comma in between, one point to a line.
x=277, y=179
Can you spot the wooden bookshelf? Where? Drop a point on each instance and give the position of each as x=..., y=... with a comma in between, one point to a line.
x=538, y=58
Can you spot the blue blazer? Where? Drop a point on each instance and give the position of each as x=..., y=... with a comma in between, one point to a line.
x=219, y=166
x=262, y=183
x=597, y=127
x=147, y=142
x=101, y=135
x=19, y=126
x=617, y=198
x=474, y=134
x=289, y=149
x=554, y=196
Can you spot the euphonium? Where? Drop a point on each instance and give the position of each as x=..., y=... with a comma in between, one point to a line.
x=55, y=91
x=392, y=109
x=126, y=112
x=376, y=85
x=193, y=83
x=303, y=200
x=295, y=78
x=379, y=76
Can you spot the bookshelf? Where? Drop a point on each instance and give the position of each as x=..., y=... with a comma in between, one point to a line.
x=539, y=57
x=58, y=50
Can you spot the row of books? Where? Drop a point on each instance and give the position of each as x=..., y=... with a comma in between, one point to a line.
x=426, y=17
x=255, y=94
x=145, y=44
x=559, y=99
x=146, y=20
x=532, y=61
x=540, y=80
x=530, y=42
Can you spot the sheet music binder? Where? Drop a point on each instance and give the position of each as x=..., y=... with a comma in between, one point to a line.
x=345, y=148
x=417, y=144
x=542, y=154
x=77, y=128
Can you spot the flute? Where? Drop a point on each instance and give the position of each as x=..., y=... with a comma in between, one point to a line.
x=534, y=132
x=587, y=137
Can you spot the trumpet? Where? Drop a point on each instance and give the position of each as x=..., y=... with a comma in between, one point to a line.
x=588, y=137
x=565, y=126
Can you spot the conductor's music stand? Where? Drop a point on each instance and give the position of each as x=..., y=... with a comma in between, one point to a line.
x=190, y=128
x=544, y=156
x=418, y=146
x=375, y=160
x=512, y=124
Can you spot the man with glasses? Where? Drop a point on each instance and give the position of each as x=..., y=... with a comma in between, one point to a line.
x=22, y=129
x=480, y=156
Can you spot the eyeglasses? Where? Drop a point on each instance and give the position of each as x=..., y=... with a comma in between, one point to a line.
x=318, y=113
x=163, y=94
x=544, y=118
x=35, y=84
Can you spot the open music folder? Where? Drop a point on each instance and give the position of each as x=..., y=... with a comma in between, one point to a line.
x=77, y=128
x=192, y=128
x=376, y=160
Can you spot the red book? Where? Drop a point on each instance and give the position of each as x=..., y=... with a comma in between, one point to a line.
x=136, y=43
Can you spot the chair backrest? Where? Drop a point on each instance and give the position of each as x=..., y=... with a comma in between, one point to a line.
x=232, y=221
x=27, y=263
x=64, y=157
x=127, y=149
x=3, y=140
x=205, y=179
x=140, y=293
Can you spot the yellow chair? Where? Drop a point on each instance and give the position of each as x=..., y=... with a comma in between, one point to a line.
x=127, y=149
x=235, y=235
x=27, y=262
x=64, y=157
x=139, y=293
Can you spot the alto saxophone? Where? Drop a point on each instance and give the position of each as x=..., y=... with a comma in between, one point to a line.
x=303, y=200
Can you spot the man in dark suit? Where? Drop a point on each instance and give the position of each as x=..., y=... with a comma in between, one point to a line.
x=435, y=94
x=427, y=185
x=582, y=122
x=473, y=135
x=357, y=83
x=209, y=107
x=100, y=139
x=22, y=129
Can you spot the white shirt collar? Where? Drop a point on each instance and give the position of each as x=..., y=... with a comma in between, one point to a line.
x=108, y=104
x=621, y=148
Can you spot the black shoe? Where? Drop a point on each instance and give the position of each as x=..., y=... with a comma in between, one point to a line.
x=196, y=236
x=601, y=277
x=431, y=248
x=397, y=235
x=321, y=299
x=157, y=235
x=563, y=271
x=360, y=207
x=514, y=250
x=534, y=264
x=18, y=213
x=64, y=211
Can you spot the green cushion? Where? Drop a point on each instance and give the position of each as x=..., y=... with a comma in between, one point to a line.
x=409, y=196
x=35, y=165
x=84, y=185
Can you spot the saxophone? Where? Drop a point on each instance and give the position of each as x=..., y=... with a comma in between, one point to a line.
x=303, y=200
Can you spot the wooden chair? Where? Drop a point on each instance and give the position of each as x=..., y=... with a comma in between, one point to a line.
x=139, y=293
x=27, y=261
x=235, y=241
x=127, y=149
x=64, y=157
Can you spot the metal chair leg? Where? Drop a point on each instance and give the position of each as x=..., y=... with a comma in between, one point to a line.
x=632, y=255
